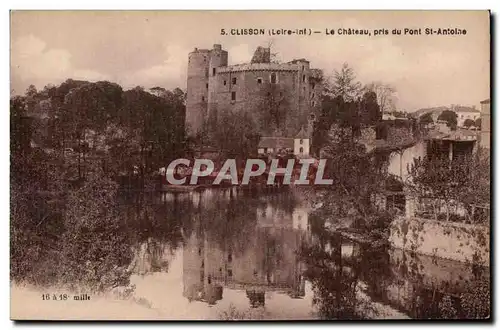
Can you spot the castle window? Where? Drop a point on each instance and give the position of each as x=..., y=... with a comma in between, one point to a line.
x=224, y=83
x=229, y=257
x=259, y=80
x=229, y=273
x=233, y=96
x=206, y=85
x=273, y=78
x=303, y=78
x=234, y=80
x=301, y=150
x=301, y=141
x=203, y=99
x=213, y=71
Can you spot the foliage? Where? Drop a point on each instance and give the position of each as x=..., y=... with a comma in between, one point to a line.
x=386, y=97
x=357, y=175
x=347, y=115
x=345, y=85
x=236, y=133
x=477, y=123
x=475, y=302
x=66, y=231
x=426, y=119
x=450, y=117
x=468, y=123
x=94, y=247
x=448, y=183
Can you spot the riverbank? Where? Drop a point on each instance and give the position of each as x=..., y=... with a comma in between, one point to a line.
x=468, y=243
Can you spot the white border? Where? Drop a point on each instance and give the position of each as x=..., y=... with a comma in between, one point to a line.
x=220, y=5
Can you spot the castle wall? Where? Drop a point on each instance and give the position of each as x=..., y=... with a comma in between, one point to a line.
x=218, y=58
x=197, y=89
x=211, y=90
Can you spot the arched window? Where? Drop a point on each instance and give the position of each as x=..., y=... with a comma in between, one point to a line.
x=259, y=80
x=301, y=141
x=301, y=150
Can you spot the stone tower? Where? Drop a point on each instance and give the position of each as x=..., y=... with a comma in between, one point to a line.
x=202, y=70
x=218, y=58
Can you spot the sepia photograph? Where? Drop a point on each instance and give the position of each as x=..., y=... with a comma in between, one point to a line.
x=250, y=165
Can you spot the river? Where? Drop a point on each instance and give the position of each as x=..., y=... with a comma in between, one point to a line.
x=228, y=254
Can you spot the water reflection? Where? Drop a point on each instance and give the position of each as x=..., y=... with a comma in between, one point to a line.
x=204, y=252
x=249, y=246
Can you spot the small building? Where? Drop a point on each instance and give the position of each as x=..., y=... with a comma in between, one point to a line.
x=301, y=143
x=298, y=145
x=275, y=145
x=454, y=143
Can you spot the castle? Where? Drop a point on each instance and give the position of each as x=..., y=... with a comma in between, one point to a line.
x=282, y=97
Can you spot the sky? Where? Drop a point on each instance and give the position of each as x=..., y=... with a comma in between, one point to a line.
x=150, y=48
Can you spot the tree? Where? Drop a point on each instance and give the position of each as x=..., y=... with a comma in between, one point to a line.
x=344, y=84
x=371, y=111
x=31, y=91
x=95, y=247
x=447, y=183
x=450, y=117
x=477, y=123
x=426, y=119
x=468, y=123
x=236, y=133
x=330, y=112
x=386, y=95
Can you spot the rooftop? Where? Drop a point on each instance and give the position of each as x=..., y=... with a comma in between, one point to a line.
x=275, y=142
x=458, y=135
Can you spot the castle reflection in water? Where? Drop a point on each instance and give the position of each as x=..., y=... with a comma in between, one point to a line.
x=259, y=256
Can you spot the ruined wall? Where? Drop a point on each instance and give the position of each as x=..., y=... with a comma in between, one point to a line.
x=251, y=96
x=210, y=88
x=301, y=95
x=448, y=240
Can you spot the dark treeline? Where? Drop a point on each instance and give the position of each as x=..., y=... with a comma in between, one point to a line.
x=72, y=146
x=126, y=130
